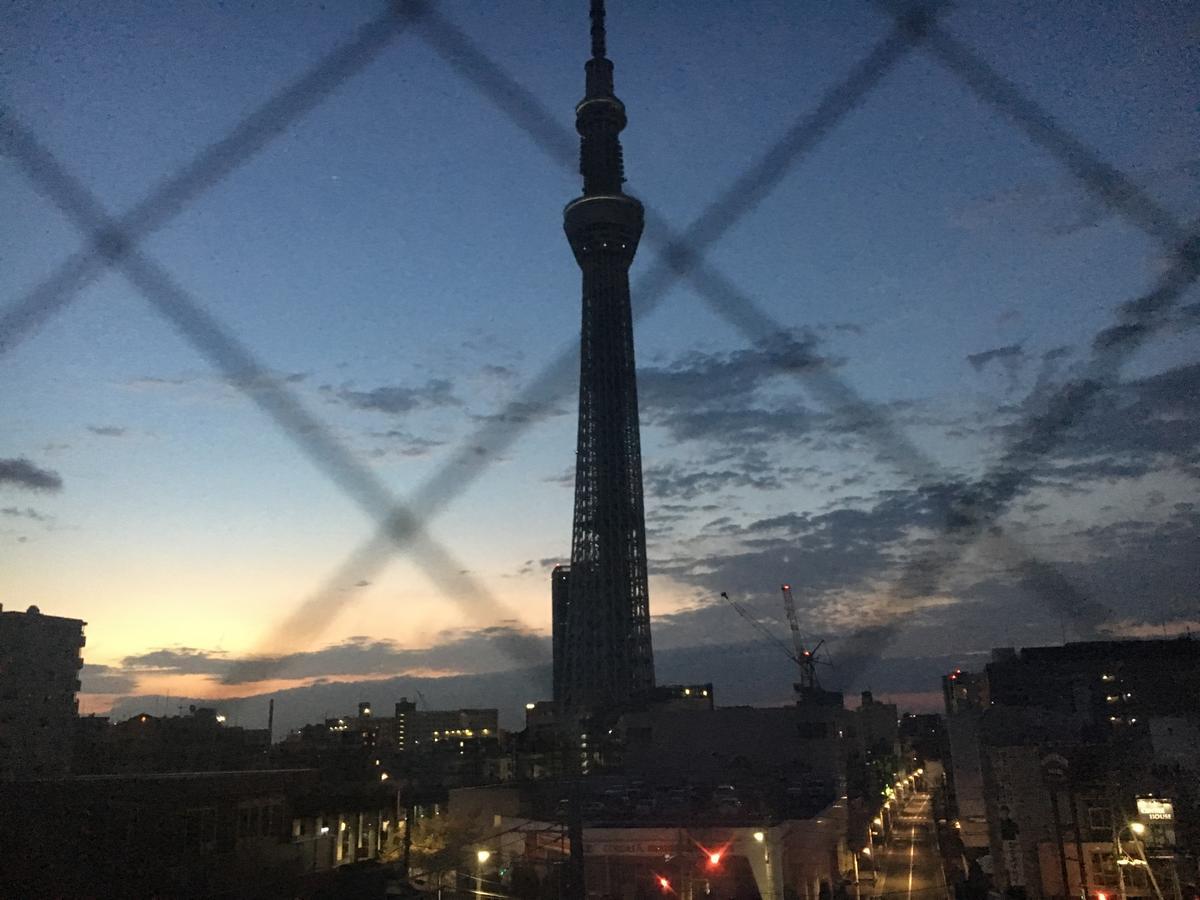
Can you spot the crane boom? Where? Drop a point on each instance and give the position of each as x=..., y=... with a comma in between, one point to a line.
x=760, y=627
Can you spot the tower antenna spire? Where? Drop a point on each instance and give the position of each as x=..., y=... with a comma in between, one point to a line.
x=597, y=13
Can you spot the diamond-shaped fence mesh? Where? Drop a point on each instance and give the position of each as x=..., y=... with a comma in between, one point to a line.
x=969, y=512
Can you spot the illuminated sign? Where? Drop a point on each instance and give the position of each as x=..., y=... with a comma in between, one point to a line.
x=1155, y=809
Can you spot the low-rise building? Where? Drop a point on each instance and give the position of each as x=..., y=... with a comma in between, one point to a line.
x=244, y=834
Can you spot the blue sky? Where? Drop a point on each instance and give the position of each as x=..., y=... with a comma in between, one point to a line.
x=396, y=258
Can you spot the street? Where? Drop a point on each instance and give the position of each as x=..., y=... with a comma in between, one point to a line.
x=909, y=865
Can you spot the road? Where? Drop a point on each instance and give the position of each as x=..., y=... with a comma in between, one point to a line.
x=909, y=865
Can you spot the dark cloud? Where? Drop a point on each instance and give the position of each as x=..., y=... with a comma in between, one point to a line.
x=1140, y=426
x=398, y=442
x=739, y=412
x=1115, y=578
x=1008, y=355
x=14, y=512
x=261, y=379
x=252, y=381
x=495, y=648
x=394, y=399
x=745, y=671
x=22, y=473
x=522, y=413
x=152, y=382
x=670, y=480
x=108, y=430
x=500, y=373
x=179, y=661
x=724, y=379
x=97, y=679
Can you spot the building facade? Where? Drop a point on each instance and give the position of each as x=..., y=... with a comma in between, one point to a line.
x=1080, y=757
x=39, y=678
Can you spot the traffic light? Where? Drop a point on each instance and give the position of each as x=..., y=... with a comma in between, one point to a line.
x=714, y=859
x=663, y=884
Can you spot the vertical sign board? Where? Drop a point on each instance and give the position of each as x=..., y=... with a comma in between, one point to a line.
x=1010, y=848
x=1014, y=865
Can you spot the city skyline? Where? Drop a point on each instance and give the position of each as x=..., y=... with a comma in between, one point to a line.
x=395, y=258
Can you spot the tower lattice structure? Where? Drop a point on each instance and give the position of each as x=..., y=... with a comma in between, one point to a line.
x=603, y=655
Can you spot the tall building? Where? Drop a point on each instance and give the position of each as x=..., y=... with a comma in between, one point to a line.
x=39, y=676
x=966, y=697
x=605, y=656
x=560, y=588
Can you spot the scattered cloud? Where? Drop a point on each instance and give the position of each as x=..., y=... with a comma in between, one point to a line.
x=521, y=413
x=398, y=442
x=496, y=648
x=396, y=399
x=14, y=512
x=1007, y=355
x=22, y=473
x=1011, y=358
x=113, y=431
x=672, y=480
x=1064, y=206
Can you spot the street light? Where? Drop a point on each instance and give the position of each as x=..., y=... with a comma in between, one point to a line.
x=759, y=836
x=481, y=856
x=1137, y=828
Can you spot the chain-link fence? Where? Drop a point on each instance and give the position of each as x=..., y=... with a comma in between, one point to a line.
x=678, y=254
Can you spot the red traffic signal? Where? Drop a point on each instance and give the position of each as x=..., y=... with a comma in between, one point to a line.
x=663, y=884
x=714, y=858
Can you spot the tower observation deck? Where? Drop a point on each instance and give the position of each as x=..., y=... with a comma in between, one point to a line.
x=602, y=649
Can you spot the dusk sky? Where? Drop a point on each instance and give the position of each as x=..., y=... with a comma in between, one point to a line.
x=395, y=257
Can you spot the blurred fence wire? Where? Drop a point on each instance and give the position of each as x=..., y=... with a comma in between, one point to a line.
x=968, y=512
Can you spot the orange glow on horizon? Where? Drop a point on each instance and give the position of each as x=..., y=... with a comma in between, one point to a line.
x=210, y=687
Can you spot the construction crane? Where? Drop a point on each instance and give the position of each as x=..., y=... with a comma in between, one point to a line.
x=761, y=628
x=806, y=659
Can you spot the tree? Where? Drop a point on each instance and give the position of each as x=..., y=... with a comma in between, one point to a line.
x=443, y=843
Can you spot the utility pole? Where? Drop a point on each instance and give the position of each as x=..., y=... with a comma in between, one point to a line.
x=576, y=887
x=408, y=827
